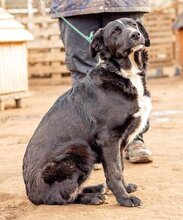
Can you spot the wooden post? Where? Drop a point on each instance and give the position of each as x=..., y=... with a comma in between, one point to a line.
x=176, y=8
x=180, y=41
x=42, y=7
x=30, y=13
x=3, y=3
x=2, y=106
x=30, y=8
x=18, y=103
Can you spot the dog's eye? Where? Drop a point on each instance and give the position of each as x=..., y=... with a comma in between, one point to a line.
x=116, y=31
x=133, y=24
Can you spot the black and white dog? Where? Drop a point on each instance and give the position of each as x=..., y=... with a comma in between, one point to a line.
x=93, y=122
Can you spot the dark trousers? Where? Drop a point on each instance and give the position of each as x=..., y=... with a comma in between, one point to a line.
x=78, y=59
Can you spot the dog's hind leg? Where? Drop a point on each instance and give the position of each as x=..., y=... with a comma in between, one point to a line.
x=65, y=174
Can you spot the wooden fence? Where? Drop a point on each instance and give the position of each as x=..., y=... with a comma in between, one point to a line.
x=46, y=54
x=162, y=51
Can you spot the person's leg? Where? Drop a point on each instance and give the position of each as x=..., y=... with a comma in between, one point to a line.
x=135, y=152
x=78, y=59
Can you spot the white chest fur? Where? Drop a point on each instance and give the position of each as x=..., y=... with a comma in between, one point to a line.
x=144, y=102
x=145, y=106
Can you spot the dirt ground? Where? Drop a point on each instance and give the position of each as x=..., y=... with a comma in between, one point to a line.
x=160, y=184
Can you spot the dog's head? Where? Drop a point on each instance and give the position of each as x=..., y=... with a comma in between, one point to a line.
x=119, y=38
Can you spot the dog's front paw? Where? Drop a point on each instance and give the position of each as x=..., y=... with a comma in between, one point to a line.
x=131, y=201
x=131, y=188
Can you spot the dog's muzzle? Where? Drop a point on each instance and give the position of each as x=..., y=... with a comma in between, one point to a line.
x=138, y=47
x=128, y=51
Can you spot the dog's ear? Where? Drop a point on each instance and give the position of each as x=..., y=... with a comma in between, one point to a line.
x=97, y=46
x=96, y=43
x=145, y=34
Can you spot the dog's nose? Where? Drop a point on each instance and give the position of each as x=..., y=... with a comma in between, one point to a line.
x=135, y=35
